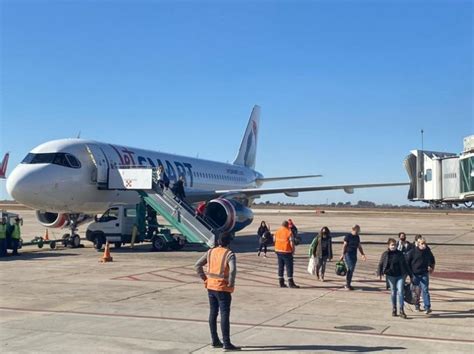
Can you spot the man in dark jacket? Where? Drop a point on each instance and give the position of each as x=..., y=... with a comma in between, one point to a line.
x=178, y=188
x=421, y=262
x=394, y=266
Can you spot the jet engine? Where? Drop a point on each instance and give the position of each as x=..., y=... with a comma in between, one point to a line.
x=228, y=214
x=59, y=220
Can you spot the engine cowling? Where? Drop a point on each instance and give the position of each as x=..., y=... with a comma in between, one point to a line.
x=59, y=220
x=228, y=214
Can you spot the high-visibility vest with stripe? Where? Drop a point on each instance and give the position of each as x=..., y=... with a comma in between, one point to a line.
x=218, y=269
x=16, y=233
x=282, y=240
x=3, y=231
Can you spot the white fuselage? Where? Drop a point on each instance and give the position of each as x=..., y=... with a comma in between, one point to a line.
x=56, y=187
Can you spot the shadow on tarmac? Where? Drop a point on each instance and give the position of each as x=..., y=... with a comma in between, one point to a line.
x=453, y=314
x=28, y=256
x=335, y=348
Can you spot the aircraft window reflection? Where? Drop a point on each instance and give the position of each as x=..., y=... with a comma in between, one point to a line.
x=57, y=158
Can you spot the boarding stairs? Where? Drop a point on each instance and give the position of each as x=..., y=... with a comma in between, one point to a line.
x=143, y=179
x=181, y=216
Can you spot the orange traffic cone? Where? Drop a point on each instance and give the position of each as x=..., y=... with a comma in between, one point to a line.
x=106, y=257
x=46, y=236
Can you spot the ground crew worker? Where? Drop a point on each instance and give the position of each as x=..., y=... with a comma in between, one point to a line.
x=3, y=238
x=16, y=235
x=219, y=281
x=284, y=248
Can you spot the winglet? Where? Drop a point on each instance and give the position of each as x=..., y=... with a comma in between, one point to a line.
x=248, y=147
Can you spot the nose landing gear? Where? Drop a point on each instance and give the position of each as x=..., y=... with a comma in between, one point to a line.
x=72, y=239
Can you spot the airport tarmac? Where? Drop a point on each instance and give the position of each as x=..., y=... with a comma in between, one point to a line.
x=64, y=300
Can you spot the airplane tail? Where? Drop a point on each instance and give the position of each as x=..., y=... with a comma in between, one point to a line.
x=3, y=167
x=248, y=148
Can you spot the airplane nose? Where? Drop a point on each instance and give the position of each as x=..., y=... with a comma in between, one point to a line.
x=22, y=184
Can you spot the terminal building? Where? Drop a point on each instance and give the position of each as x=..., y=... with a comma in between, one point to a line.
x=442, y=177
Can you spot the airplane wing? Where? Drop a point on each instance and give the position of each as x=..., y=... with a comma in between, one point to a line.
x=293, y=191
x=274, y=179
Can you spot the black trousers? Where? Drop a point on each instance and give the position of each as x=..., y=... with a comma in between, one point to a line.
x=285, y=260
x=220, y=301
x=3, y=247
x=15, y=245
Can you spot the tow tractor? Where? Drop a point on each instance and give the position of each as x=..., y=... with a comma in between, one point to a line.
x=36, y=241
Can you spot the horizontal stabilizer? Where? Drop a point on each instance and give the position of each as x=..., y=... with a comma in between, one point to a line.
x=273, y=179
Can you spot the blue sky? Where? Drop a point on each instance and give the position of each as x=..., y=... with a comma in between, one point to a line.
x=344, y=86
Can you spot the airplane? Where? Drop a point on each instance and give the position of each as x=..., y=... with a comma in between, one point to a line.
x=65, y=180
x=3, y=166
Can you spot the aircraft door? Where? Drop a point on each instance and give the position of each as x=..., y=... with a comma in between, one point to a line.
x=101, y=172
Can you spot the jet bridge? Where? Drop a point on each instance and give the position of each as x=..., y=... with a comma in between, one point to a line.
x=442, y=177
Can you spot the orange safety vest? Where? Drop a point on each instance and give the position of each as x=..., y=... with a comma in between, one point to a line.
x=218, y=270
x=282, y=240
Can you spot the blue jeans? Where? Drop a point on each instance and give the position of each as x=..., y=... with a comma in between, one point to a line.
x=219, y=300
x=422, y=281
x=285, y=259
x=351, y=260
x=396, y=287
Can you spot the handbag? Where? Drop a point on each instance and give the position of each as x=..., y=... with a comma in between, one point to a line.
x=409, y=294
x=312, y=266
x=341, y=269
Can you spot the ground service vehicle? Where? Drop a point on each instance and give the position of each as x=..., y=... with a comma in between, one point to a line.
x=130, y=223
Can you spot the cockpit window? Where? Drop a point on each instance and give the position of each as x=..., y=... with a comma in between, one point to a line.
x=73, y=161
x=57, y=158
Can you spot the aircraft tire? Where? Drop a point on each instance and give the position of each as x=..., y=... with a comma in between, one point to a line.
x=65, y=239
x=75, y=241
x=158, y=244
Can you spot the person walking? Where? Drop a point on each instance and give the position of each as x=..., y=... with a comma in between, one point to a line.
x=321, y=250
x=201, y=208
x=349, y=253
x=178, y=188
x=264, y=235
x=402, y=244
x=3, y=238
x=395, y=268
x=163, y=179
x=421, y=262
x=285, y=248
x=294, y=230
